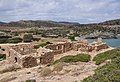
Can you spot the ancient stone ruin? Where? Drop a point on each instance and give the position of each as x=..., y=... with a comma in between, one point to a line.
x=60, y=47
x=26, y=56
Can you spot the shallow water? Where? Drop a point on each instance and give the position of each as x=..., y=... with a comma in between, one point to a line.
x=110, y=42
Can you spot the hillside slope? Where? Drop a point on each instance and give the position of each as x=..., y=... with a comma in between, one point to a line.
x=111, y=22
x=109, y=72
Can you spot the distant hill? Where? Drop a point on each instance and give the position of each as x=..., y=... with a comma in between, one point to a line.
x=1, y=23
x=31, y=23
x=42, y=23
x=111, y=22
x=69, y=23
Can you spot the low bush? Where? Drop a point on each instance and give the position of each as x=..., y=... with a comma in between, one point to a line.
x=14, y=40
x=72, y=37
x=31, y=80
x=27, y=37
x=41, y=45
x=76, y=58
x=100, y=58
x=109, y=72
x=36, y=39
x=3, y=40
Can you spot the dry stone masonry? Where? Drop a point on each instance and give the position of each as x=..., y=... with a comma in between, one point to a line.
x=26, y=56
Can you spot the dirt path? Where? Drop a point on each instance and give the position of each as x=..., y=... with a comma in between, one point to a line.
x=77, y=72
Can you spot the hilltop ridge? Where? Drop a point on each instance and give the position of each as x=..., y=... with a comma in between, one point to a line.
x=49, y=23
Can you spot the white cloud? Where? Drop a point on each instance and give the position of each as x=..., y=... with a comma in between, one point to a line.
x=61, y=10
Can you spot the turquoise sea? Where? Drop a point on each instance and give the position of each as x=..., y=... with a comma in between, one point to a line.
x=110, y=42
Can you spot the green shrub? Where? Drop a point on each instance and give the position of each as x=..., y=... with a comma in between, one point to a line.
x=32, y=80
x=100, y=58
x=16, y=34
x=41, y=45
x=14, y=40
x=76, y=58
x=36, y=39
x=3, y=40
x=27, y=37
x=109, y=72
x=72, y=38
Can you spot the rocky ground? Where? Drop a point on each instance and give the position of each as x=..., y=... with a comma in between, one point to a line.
x=72, y=72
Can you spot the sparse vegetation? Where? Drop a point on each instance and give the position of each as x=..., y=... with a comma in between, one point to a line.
x=100, y=58
x=3, y=40
x=14, y=40
x=72, y=37
x=43, y=31
x=109, y=72
x=36, y=39
x=76, y=58
x=27, y=37
x=32, y=80
x=41, y=45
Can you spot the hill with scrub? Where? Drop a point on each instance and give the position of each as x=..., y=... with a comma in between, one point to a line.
x=50, y=23
x=109, y=72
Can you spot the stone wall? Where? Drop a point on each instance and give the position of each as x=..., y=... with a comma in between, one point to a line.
x=16, y=58
x=102, y=46
x=29, y=61
x=11, y=55
x=26, y=56
x=24, y=49
x=60, y=48
x=67, y=47
x=85, y=47
x=47, y=58
x=15, y=53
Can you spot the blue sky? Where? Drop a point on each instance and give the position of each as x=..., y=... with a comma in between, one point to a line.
x=82, y=11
